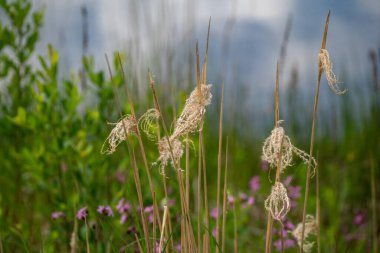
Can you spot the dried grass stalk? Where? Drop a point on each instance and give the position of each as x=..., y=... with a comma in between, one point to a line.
x=326, y=66
x=272, y=146
x=165, y=154
x=148, y=123
x=119, y=133
x=188, y=122
x=278, y=203
x=193, y=112
x=310, y=229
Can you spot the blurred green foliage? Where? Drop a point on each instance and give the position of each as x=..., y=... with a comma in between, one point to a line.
x=52, y=131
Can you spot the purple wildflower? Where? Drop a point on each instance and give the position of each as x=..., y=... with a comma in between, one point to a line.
x=57, y=215
x=288, y=243
x=214, y=232
x=151, y=217
x=170, y=202
x=230, y=199
x=214, y=213
x=359, y=219
x=123, y=218
x=148, y=209
x=82, y=213
x=289, y=226
x=294, y=192
x=105, y=210
x=123, y=206
x=264, y=165
x=254, y=183
x=288, y=180
x=250, y=201
x=177, y=247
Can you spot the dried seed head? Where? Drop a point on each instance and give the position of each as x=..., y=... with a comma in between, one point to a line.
x=278, y=203
x=272, y=146
x=148, y=123
x=119, y=133
x=326, y=65
x=193, y=112
x=165, y=154
x=310, y=229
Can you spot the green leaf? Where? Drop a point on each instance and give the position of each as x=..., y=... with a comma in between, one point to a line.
x=20, y=118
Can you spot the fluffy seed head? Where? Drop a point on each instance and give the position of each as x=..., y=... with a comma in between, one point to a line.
x=148, y=122
x=192, y=114
x=310, y=229
x=278, y=203
x=165, y=154
x=272, y=147
x=119, y=133
x=326, y=65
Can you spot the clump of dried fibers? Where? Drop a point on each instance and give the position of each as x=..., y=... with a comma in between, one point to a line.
x=273, y=147
x=278, y=203
x=193, y=112
x=165, y=152
x=310, y=229
x=326, y=65
x=119, y=133
x=188, y=122
x=148, y=122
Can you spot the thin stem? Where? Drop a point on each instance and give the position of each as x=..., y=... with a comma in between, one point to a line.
x=225, y=200
x=132, y=156
x=87, y=240
x=141, y=144
x=154, y=223
x=373, y=201
x=176, y=166
x=282, y=237
x=199, y=211
x=163, y=227
x=219, y=166
x=205, y=184
x=235, y=229
x=268, y=240
x=187, y=171
x=199, y=200
x=318, y=213
x=138, y=243
x=313, y=134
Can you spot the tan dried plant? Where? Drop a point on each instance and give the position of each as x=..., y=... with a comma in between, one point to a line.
x=193, y=112
x=165, y=152
x=273, y=146
x=326, y=66
x=123, y=128
x=310, y=229
x=278, y=203
x=148, y=123
x=188, y=122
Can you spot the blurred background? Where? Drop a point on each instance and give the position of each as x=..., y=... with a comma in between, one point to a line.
x=57, y=99
x=246, y=40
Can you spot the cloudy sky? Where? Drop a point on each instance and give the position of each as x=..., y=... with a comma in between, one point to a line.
x=245, y=40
